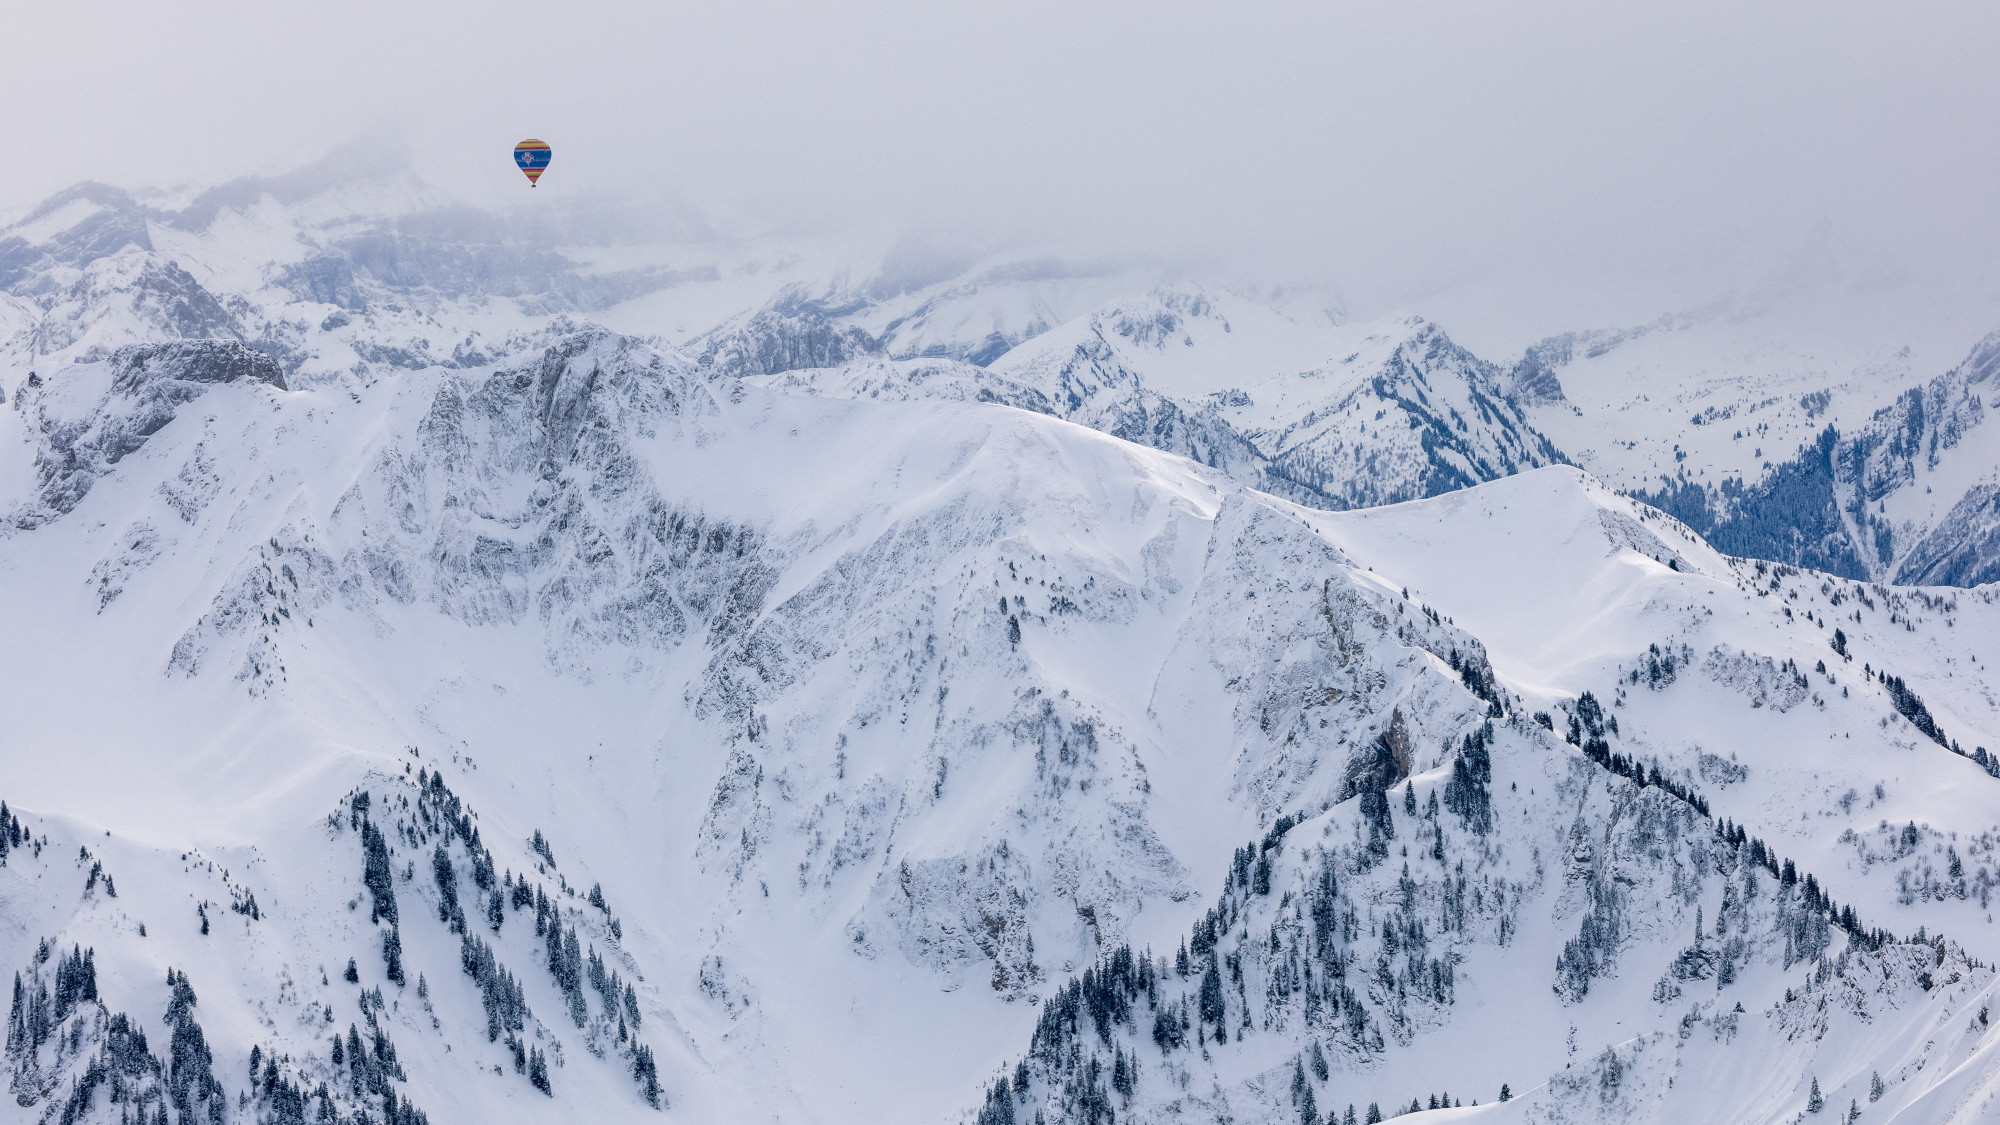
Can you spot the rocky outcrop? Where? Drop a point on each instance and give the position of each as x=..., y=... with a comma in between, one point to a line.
x=89, y=416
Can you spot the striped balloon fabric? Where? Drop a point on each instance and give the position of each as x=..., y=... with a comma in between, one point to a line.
x=532, y=157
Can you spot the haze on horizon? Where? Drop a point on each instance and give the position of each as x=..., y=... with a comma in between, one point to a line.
x=1548, y=154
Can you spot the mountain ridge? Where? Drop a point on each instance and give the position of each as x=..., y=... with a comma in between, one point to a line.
x=859, y=716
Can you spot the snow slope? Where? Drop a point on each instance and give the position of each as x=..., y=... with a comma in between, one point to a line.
x=1805, y=422
x=595, y=526
x=858, y=708
x=1366, y=961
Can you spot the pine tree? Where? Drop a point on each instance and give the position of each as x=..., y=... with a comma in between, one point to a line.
x=17, y=1019
x=1374, y=1114
x=1875, y=1087
x=1814, y=1102
x=1381, y=826
x=375, y=873
x=1505, y=1093
x=646, y=1075
x=999, y=1106
x=191, y=1079
x=447, y=882
x=76, y=981
x=392, y=953
x=1211, y=996
x=538, y=1069
x=572, y=977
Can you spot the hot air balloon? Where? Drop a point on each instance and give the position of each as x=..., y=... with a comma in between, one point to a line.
x=532, y=157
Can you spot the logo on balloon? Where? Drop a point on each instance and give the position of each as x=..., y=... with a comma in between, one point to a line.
x=532, y=157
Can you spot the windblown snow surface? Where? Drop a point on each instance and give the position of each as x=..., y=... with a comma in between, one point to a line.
x=434, y=708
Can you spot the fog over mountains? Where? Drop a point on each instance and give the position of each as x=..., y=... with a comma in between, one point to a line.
x=466, y=664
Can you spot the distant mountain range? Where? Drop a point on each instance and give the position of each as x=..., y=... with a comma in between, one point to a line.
x=1882, y=471
x=460, y=667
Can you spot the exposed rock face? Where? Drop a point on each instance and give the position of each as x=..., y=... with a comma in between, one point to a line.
x=90, y=416
x=191, y=361
x=906, y=380
x=1428, y=418
x=901, y=723
x=130, y=297
x=787, y=337
x=1533, y=380
x=107, y=220
x=1964, y=548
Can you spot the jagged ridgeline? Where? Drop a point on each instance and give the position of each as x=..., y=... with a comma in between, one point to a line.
x=906, y=656
x=1324, y=412
x=78, y=1052
x=1345, y=944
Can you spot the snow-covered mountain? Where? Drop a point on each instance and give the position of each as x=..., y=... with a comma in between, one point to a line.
x=1793, y=443
x=430, y=694
x=1783, y=423
x=1399, y=412
x=1842, y=457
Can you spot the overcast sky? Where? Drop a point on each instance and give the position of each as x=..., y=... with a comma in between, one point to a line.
x=1395, y=145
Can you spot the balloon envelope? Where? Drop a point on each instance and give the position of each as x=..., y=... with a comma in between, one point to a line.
x=532, y=157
